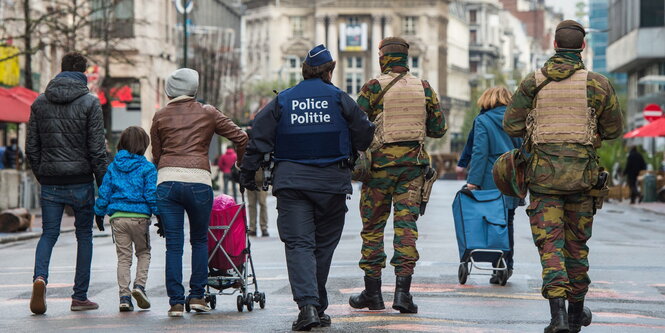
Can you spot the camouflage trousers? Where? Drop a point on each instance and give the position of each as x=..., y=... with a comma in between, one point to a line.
x=398, y=186
x=561, y=226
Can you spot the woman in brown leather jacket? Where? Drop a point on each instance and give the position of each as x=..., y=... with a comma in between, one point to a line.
x=181, y=134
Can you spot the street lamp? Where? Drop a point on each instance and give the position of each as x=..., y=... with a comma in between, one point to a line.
x=184, y=9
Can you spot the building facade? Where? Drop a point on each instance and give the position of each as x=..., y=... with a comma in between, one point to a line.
x=598, y=41
x=636, y=35
x=278, y=35
x=458, y=95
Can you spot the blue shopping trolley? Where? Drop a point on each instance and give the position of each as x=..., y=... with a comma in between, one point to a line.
x=481, y=226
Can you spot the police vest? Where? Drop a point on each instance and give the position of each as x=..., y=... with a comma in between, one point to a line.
x=311, y=128
x=404, y=113
x=561, y=113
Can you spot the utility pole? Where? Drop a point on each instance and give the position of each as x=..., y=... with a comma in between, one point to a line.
x=184, y=9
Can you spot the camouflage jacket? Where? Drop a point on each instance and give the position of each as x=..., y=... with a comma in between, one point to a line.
x=600, y=96
x=401, y=154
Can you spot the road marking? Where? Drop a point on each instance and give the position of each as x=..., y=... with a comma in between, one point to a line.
x=623, y=315
x=26, y=285
x=396, y=317
x=431, y=328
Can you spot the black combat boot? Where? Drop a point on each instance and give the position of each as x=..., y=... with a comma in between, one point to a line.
x=559, y=322
x=578, y=316
x=403, y=300
x=371, y=297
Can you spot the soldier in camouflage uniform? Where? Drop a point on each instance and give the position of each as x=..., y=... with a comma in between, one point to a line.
x=563, y=167
x=396, y=175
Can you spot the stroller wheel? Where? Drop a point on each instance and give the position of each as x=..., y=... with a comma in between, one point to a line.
x=212, y=299
x=462, y=273
x=187, y=307
x=240, y=302
x=262, y=300
x=249, y=302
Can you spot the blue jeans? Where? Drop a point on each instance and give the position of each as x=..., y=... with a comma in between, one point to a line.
x=173, y=200
x=54, y=198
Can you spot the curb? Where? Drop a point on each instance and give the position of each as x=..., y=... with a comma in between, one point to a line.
x=29, y=235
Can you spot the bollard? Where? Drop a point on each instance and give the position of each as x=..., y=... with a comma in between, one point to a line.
x=649, y=187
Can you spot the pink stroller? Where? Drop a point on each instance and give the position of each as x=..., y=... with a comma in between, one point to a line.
x=230, y=265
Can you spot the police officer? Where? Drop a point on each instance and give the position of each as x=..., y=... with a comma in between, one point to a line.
x=406, y=110
x=313, y=130
x=562, y=134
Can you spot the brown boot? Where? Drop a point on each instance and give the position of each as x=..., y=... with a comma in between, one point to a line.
x=38, y=299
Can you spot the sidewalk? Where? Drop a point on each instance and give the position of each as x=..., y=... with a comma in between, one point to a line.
x=36, y=230
x=651, y=207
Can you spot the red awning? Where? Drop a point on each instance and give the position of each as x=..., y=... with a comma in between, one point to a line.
x=15, y=104
x=654, y=129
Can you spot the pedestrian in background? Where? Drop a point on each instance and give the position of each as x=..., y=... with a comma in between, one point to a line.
x=634, y=165
x=410, y=111
x=127, y=195
x=313, y=129
x=181, y=134
x=12, y=157
x=65, y=148
x=226, y=163
x=564, y=111
x=489, y=141
x=259, y=198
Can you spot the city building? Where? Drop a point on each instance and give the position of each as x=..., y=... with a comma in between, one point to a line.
x=130, y=44
x=458, y=94
x=598, y=40
x=636, y=35
x=485, y=38
x=352, y=31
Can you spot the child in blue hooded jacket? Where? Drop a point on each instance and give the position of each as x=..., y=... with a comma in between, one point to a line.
x=128, y=196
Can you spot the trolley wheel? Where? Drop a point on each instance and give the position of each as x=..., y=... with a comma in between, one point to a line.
x=212, y=299
x=249, y=302
x=187, y=307
x=262, y=300
x=502, y=275
x=462, y=272
x=240, y=301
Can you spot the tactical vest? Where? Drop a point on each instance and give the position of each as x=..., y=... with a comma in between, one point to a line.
x=561, y=113
x=404, y=114
x=311, y=128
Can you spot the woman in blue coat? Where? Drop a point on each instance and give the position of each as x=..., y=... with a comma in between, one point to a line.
x=488, y=143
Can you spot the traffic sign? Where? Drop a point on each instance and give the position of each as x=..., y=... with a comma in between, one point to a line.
x=652, y=112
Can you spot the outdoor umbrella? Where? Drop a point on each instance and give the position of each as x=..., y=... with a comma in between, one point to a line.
x=654, y=129
x=15, y=104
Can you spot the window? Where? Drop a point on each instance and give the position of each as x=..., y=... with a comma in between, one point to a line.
x=652, y=13
x=473, y=37
x=415, y=65
x=472, y=16
x=473, y=67
x=114, y=19
x=354, y=73
x=297, y=26
x=409, y=25
x=353, y=20
x=293, y=69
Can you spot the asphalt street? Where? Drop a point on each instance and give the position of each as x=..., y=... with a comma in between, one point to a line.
x=627, y=294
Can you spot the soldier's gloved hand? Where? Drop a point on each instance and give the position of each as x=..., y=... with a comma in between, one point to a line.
x=247, y=179
x=100, y=222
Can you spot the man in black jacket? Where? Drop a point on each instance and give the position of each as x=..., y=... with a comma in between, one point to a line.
x=65, y=148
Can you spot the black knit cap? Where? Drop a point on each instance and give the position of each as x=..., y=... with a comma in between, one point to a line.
x=569, y=35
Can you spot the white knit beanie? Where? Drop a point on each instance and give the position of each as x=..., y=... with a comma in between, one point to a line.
x=182, y=82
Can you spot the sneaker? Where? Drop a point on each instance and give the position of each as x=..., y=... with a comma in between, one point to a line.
x=38, y=299
x=126, y=304
x=176, y=310
x=198, y=305
x=141, y=298
x=252, y=233
x=83, y=305
x=264, y=233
